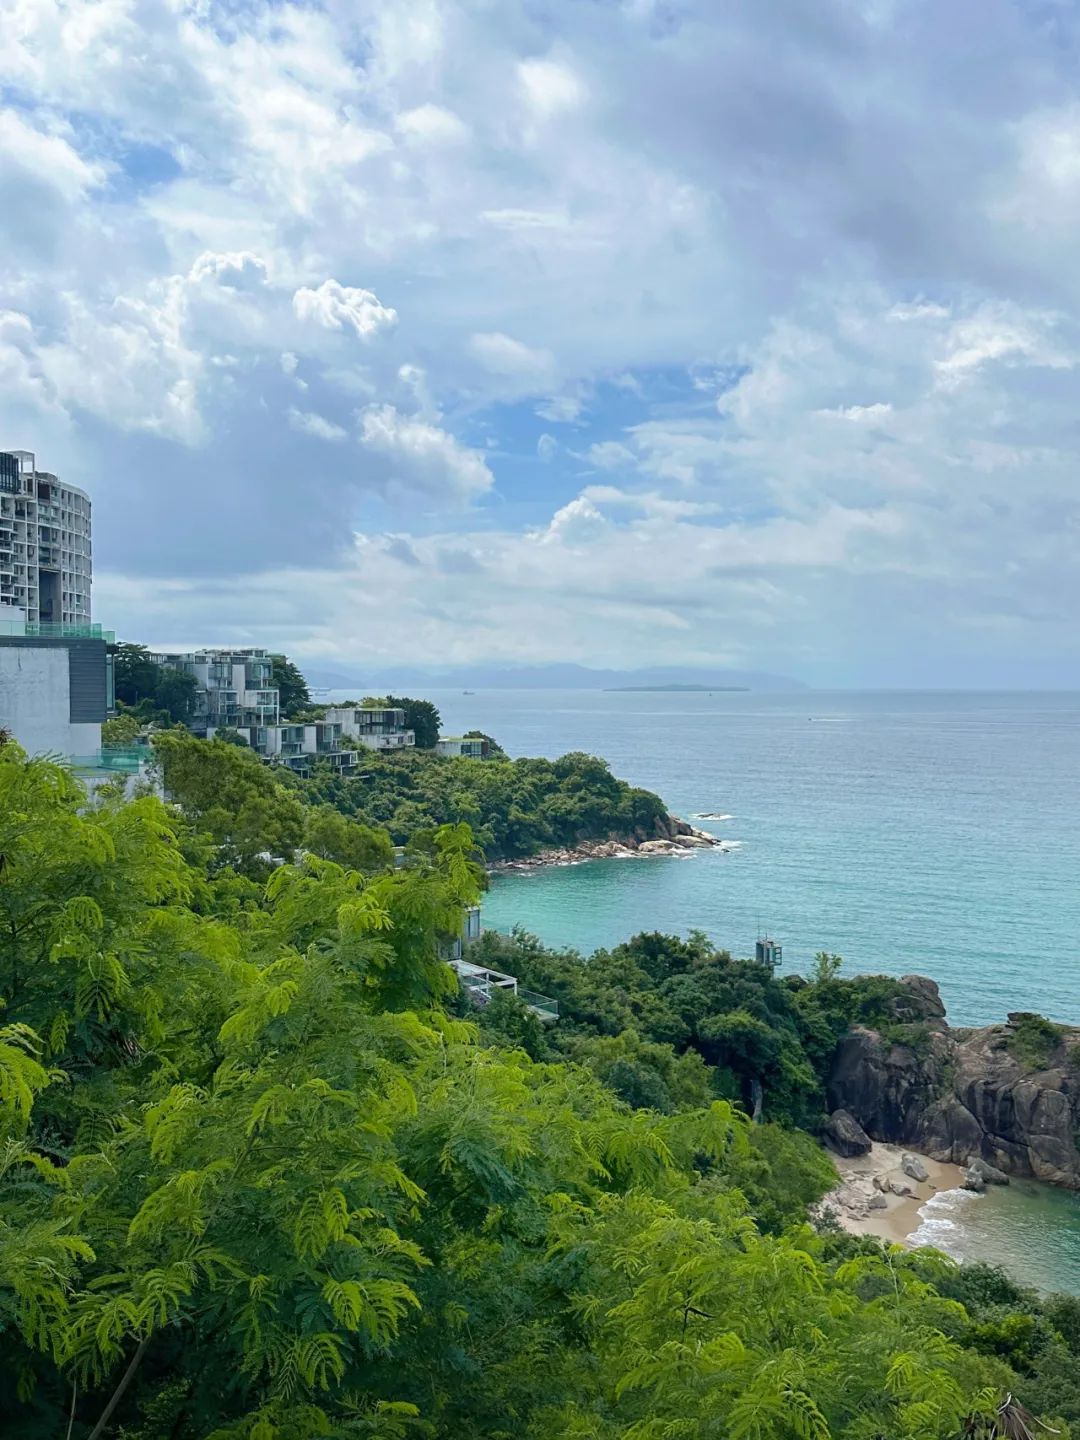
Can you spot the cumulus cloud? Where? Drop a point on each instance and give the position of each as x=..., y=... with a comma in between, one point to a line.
x=802, y=285
x=423, y=456
x=339, y=307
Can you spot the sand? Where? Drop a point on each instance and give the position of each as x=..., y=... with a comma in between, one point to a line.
x=900, y=1218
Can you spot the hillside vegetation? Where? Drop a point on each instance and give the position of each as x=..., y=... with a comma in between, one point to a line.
x=513, y=807
x=262, y=1181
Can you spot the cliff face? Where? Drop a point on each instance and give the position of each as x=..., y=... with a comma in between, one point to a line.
x=964, y=1094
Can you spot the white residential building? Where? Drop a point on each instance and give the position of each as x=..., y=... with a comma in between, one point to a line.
x=236, y=689
x=236, y=692
x=45, y=546
x=375, y=727
x=469, y=747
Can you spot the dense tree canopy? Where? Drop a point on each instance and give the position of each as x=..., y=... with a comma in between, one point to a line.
x=514, y=807
x=259, y=1182
x=154, y=692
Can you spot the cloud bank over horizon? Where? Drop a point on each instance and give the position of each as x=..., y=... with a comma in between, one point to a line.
x=621, y=332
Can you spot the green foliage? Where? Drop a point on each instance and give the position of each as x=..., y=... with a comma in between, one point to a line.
x=231, y=796
x=1033, y=1040
x=258, y=1181
x=122, y=729
x=514, y=807
x=331, y=836
x=293, y=695
x=155, y=692
x=422, y=717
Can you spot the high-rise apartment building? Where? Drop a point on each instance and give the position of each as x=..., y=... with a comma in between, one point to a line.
x=45, y=556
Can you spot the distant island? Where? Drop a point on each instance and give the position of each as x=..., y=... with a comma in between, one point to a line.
x=377, y=679
x=667, y=689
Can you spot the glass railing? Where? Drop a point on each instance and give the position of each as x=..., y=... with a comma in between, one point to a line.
x=120, y=759
x=57, y=630
x=542, y=1005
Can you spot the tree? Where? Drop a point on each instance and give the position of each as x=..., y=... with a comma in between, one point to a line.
x=176, y=694
x=135, y=675
x=292, y=688
x=122, y=729
x=331, y=836
x=226, y=792
x=421, y=717
x=257, y=1182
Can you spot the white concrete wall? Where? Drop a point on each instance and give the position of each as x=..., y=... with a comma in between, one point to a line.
x=35, y=702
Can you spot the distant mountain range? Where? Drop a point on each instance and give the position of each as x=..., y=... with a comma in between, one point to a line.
x=401, y=679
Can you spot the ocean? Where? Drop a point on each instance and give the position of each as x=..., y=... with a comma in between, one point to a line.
x=931, y=833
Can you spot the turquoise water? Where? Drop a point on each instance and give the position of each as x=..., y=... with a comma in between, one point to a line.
x=1032, y=1230
x=937, y=833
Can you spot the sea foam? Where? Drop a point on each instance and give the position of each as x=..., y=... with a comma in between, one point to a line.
x=941, y=1222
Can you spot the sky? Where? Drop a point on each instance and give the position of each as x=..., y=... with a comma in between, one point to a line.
x=627, y=332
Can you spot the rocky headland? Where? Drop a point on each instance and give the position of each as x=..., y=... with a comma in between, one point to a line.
x=1000, y=1100
x=672, y=837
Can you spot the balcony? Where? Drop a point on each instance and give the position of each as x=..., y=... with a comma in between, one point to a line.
x=481, y=984
x=116, y=759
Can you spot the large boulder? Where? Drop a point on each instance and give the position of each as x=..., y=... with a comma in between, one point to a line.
x=846, y=1136
x=987, y=1173
x=914, y=1168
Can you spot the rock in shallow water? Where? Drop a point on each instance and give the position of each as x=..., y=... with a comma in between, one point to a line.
x=987, y=1173
x=973, y=1180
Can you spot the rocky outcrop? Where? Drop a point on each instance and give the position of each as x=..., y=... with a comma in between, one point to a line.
x=673, y=837
x=844, y=1133
x=963, y=1095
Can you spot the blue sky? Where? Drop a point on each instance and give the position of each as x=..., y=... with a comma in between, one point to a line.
x=616, y=331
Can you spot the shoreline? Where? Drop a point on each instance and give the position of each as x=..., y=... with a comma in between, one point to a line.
x=681, y=846
x=866, y=1202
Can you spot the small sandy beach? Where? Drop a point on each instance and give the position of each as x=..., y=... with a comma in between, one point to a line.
x=865, y=1201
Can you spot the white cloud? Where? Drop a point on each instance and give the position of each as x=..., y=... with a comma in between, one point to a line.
x=423, y=456
x=308, y=423
x=433, y=125
x=1000, y=332
x=547, y=447
x=860, y=414
x=562, y=409
x=550, y=86
x=42, y=159
x=337, y=307
x=502, y=355
x=611, y=455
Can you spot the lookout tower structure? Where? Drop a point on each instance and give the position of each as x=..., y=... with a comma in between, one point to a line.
x=769, y=952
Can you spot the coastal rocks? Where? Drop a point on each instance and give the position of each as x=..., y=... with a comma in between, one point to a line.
x=877, y=1201
x=899, y=1187
x=844, y=1133
x=962, y=1095
x=913, y=1167
x=675, y=838
x=988, y=1174
x=973, y=1180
